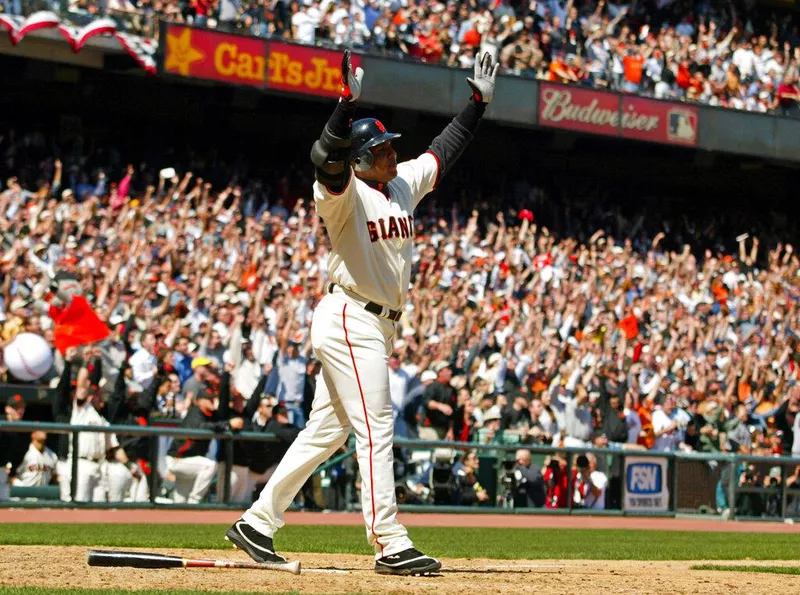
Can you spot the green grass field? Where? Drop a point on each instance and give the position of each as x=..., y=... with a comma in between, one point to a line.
x=532, y=544
x=755, y=569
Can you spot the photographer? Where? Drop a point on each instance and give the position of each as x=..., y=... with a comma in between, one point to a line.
x=525, y=482
x=467, y=491
x=556, y=479
x=589, y=484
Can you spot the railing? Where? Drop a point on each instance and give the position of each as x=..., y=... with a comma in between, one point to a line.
x=154, y=451
x=692, y=480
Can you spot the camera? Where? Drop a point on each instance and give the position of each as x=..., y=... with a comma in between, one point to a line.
x=582, y=461
x=510, y=480
x=509, y=477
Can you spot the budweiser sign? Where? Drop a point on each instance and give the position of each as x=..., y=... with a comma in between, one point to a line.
x=597, y=112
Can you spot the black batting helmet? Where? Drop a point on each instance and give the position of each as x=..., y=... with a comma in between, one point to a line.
x=367, y=133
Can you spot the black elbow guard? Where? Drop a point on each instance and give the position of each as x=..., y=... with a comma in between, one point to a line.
x=330, y=156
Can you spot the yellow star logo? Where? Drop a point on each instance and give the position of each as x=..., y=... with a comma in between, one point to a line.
x=180, y=53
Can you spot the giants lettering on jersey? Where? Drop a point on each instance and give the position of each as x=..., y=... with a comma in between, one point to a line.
x=397, y=227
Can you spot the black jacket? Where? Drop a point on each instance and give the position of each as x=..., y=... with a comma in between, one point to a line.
x=531, y=491
x=263, y=455
x=241, y=455
x=62, y=409
x=271, y=453
x=127, y=409
x=615, y=426
x=196, y=419
x=13, y=446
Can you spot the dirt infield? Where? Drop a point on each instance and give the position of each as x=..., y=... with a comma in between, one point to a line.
x=50, y=567
x=155, y=517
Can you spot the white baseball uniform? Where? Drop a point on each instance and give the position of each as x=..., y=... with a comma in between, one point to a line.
x=371, y=235
x=36, y=468
x=95, y=481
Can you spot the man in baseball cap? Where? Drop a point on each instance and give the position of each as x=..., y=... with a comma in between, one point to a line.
x=197, y=383
x=187, y=459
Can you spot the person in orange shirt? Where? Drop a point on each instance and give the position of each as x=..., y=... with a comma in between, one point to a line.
x=560, y=72
x=632, y=65
x=647, y=436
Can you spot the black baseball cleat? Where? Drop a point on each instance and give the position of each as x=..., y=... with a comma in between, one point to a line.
x=406, y=563
x=258, y=546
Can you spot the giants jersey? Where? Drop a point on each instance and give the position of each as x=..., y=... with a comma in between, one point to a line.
x=36, y=468
x=372, y=234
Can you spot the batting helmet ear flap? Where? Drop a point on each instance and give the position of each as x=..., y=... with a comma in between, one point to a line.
x=363, y=162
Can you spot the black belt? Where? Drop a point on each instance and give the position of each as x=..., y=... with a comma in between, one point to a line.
x=374, y=308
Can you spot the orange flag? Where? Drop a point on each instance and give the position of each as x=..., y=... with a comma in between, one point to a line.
x=629, y=326
x=77, y=324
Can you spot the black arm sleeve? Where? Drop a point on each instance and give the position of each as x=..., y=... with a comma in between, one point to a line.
x=255, y=398
x=125, y=332
x=147, y=400
x=448, y=146
x=331, y=153
x=62, y=400
x=115, y=410
x=224, y=407
x=96, y=372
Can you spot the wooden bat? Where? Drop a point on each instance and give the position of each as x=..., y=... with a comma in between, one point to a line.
x=148, y=560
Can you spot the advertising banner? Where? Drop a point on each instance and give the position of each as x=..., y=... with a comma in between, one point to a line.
x=598, y=112
x=203, y=54
x=573, y=108
x=308, y=70
x=658, y=121
x=646, y=485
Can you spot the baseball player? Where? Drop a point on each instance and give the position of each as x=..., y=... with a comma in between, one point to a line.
x=38, y=465
x=367, y=201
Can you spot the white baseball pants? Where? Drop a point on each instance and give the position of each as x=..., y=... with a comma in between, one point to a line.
x=90, y=487
x=193, y=477
x=353, y=392
x=120, y=481
x=240, y=483
x=140, y=490
x=64, y=471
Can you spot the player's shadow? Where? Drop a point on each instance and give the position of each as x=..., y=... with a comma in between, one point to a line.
x=480, y=571
x=440, y=574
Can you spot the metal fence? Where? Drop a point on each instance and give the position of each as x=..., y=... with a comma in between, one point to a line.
x=693, y=482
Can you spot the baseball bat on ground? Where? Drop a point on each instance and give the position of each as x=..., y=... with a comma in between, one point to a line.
x=148, y=560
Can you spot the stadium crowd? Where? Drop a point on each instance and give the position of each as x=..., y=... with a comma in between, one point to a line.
x=514, y=332
x=732, y=54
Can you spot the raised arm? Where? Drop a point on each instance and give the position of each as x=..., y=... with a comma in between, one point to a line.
x=331, y=153
x=448, y=146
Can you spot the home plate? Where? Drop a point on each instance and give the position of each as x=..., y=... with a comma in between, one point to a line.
x=325, y=571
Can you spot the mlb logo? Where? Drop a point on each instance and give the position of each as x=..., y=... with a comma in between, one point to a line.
x=682, y=125
x=644, y=478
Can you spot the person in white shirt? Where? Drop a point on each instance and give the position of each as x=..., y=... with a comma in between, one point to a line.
x=99, y=480
x=359, y=33
x=144, y=362
x=590, y=484
x=304, y=26
x=666, y=427
x=632, y=419
x=38, y=465
x=247, y=370
x=745, y=60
